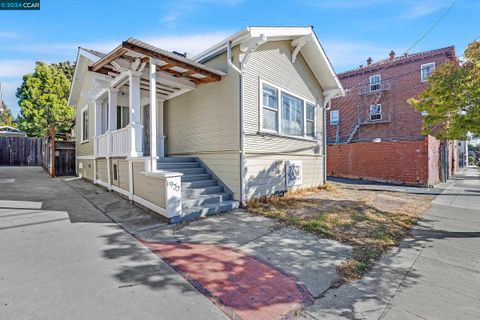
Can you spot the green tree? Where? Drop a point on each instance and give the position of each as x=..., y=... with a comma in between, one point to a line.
x=43, y=97
x=6, y=118
x=452, y=99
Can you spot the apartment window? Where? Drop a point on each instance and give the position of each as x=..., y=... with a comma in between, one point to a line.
x=376, y=112
x=426, y=70
x=285, y=113
x=310, y=120
x=269, y=108
x=334, y=117
x=122, y=117
x=84, y=123
x=375, y=81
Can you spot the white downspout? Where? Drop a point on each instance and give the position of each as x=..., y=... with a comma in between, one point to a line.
x=327, y=106
x=242, y=142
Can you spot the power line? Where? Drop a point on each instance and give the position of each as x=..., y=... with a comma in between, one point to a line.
x=435, y=24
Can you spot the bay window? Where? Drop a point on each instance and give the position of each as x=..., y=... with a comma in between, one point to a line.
x=285, y=113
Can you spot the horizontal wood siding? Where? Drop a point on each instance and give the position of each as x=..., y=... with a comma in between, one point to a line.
x=85, y=169
x=102, y=173
x=205, y=119
x=85, y=148
x=148, y=188
x=226, y=167
x=272, y=63
x=122, y=173
x=265, y=155
x=205, y=123
x=265, y=175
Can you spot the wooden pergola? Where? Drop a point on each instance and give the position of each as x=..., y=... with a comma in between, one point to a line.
x=175, y=64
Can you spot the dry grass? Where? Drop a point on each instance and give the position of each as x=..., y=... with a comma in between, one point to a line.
x=371, y=221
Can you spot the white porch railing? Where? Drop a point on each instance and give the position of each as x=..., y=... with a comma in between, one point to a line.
x=120, y=142
x=114, y=143
x=101, y=145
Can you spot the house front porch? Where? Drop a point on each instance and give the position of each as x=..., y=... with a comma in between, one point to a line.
x=129, y=149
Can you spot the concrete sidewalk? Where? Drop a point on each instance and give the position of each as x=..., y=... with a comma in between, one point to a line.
x=63, y=258
x=435, y=274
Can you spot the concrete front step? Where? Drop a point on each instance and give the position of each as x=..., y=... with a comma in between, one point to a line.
x=190, y=171
x=196, y=177
x=177, y=165
x=198, y=184
x=215, y=198
x=177, y=159
x=195, y=192
x=208, y=210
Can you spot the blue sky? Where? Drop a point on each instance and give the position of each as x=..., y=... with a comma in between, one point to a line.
x=349, y=30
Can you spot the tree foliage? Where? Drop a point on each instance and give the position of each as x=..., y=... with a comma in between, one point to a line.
x=452, y=99
x=43, y=99
x=6, y=118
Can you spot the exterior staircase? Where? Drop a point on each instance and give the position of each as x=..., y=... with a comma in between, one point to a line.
x=202, y=194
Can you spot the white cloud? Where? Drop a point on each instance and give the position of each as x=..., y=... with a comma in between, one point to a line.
x=9, y=35
x=180, y=9
x=192, y=44
x=9, y=89
x=15, y=68
x=419, y=9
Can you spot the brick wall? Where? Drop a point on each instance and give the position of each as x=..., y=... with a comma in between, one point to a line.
x=403, y=162
x=402, y=122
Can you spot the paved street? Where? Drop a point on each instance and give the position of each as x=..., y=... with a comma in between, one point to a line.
x=56, y=264
x=73, y=250
x=435, y=274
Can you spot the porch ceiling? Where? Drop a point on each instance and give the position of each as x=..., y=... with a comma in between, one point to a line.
x=174, y=64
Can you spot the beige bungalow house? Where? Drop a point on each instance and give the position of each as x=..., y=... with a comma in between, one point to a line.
x=192, y=137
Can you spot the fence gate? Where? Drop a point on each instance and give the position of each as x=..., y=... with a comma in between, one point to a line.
x=20, y=151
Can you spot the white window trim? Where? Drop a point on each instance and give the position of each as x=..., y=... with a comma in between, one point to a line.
x=376, y=104
x=422, y=79
x=370, y=83
x=279, y=111
x=82, y=128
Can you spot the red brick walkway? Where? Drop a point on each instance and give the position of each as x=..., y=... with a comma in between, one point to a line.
x=242, y=286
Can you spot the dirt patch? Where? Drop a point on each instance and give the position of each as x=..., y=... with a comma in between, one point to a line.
x=370, y=220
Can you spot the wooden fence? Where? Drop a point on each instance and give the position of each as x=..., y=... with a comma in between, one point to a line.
x=20, y=151
x=58, y=156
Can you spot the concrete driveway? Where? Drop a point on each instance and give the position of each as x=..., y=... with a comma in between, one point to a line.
x=63, y=258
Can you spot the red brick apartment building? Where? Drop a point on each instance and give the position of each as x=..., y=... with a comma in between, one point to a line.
x=374, y=134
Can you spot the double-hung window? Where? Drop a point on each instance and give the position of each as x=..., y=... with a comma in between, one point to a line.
x=375, y=82
x=292, y=115
x=269, y=108
x=84, y=123
x=376, y=112
x=285, y=113
x=426, y=70
x=310, y=120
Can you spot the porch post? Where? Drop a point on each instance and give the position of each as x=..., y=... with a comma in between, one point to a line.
x=136, y=146
x=112, y=115
x=97, y=109
x=160, y=136
x=153, y=115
